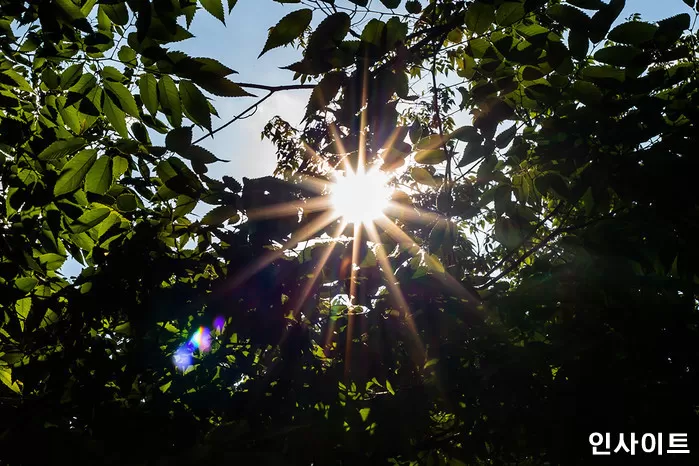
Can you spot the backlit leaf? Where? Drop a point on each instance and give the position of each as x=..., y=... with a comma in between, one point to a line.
x=288, y=29
x=74, y=172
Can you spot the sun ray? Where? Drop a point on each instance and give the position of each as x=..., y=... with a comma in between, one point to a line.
x=296, y=237
x=398, y=210
x=288, y=209
x=396, y=293
x=298, y=304
x=445, y=278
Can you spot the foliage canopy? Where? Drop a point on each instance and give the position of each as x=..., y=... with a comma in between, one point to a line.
x=536, y=280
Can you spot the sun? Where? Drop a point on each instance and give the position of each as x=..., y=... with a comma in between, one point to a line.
x=360, y=197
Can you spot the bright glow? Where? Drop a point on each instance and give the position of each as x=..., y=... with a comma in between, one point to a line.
x=201, y=339
x=219, y=322
x=360, y=197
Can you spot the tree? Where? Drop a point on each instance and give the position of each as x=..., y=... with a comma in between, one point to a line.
x=534, y=281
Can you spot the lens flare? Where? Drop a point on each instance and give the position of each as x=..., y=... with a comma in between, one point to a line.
x=183, y=357
x=219, y=322
x=201, y=339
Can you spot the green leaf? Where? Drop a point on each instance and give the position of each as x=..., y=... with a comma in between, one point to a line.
x=71, y=75
x=389, y=387
x=148, y=89
x=503, y=139
x=26, y=284
x=62, y=148
x=430, y=157
x=6, y=373
x=127, y=55
x=215, y=7
x=170, y=100
x=127, y=202
x=617, y=55
x=74, y=172
x=179, y=139
x=569, y=17
x=466, y=134
x=18, y=80
x=604, y=18
x=588, y=4
x=195, y=104
x=509, y=13
x=119, y=166
x=633, y=33
x=90, y=219
x=329, y=33
x=121, y=96
x=198, y=154
x=117, y=12
x=479, y=17
x=578, y=43
x=219, y=215
x=115, y=116
x=603, y=72
x=222, y=87
x=99, y=178
x=288, y=29
x=422, y=176
x=112, y=74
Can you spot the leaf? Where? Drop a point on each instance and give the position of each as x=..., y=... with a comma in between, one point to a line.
x=430, y=157
x=148, y=88
x=90, y=219
x=569, y=17
x=222, y=87
x=479, y=17
x=509, y=13
x=215, y=7
x=119, y=166
x=74, y=172
x=99, y=177
x=413, y=7
x=170, y=100
x=179, y=139
x=324, y=92
x=198, y=154
x=422, y=176
x=604, y=18
x=503, y=139
x=578, y=43
x=219, y=215
x=288, y=29
x=115, y=116
x=121, y=96
x=6, y=374
x=329, y=33
x=19, y=80
x=117, y=12
x=617, y=55
x=466, y=134
x=603, y=72
x=127, y=202
x=389, y=387
x=633, y=33
x=431, y=363
x=61, y=148
x=26, y=284
x=195, y=104
x=71, y=75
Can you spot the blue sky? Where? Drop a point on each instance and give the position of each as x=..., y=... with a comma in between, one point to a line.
x=239, y=43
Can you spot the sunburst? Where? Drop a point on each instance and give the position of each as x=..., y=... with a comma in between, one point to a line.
x=360, y=197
